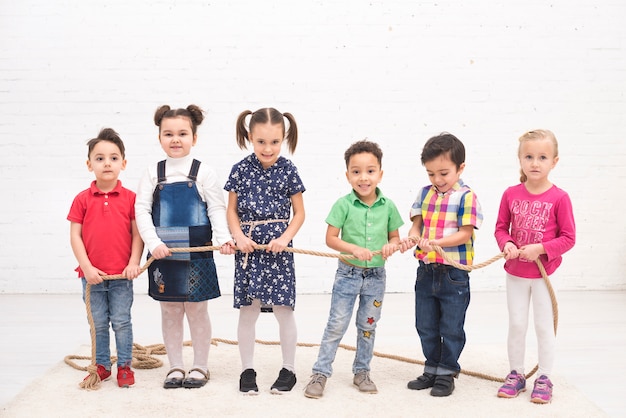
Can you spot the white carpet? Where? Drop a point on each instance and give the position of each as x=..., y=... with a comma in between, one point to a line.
x=57, y=393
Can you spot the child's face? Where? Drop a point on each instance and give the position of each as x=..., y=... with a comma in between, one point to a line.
x=106, y=161
x=364, y=174
x=443, y=172
x=266, y=140
x=537, y=159
x=177, y=137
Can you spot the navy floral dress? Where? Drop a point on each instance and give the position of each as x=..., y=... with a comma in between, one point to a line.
x=264, y=208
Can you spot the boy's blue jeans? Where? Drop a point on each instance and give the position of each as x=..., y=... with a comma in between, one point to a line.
x=111, y=302
x=368, y=285
x=442, y=296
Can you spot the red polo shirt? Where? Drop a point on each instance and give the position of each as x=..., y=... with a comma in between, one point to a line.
x=106, y=220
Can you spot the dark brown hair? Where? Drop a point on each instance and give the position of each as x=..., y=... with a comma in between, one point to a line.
x=192, y=112
x=361, y=147
x=444, y=143
x=106, y=134
x=265, y=115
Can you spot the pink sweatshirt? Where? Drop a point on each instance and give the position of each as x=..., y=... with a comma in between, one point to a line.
x=526, y=218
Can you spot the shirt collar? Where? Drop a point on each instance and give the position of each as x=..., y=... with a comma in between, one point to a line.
x=95, y=191
x=254, y=161
x=379, y=197
x=179, y=160
x=456, y=186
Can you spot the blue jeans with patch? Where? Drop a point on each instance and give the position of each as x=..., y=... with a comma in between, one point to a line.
x=442, y=296
x=352, y=283
x=111, y=302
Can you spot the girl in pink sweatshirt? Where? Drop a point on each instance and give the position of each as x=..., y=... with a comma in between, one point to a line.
x=535, y=221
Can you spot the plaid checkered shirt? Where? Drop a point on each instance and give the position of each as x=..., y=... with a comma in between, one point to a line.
x=442, y=215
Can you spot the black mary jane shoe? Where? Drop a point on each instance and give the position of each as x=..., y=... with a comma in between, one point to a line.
x=193, y=382
x=173, y=382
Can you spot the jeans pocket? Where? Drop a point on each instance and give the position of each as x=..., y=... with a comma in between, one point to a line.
x=458, y=277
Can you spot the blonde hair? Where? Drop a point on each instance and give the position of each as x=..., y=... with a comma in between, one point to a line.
x=536, y=135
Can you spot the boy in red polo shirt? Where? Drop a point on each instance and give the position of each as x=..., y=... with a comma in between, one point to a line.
x=105, y=241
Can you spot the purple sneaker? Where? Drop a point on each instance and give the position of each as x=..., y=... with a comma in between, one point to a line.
x=513, y=385
x=542, y=393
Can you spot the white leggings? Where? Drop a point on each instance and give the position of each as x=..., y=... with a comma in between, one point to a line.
x=246, y=334
x=172, y=314
x=519, y=292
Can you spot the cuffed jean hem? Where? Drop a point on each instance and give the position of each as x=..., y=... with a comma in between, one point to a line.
x=367, y=285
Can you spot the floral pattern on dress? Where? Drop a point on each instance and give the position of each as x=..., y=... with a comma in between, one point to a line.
x=264, y=194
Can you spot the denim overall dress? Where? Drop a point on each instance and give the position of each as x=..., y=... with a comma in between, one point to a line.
x=180, y=218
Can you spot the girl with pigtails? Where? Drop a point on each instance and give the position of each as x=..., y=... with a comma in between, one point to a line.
x=265, y=206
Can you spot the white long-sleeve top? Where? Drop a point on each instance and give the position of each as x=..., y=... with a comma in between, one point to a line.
x=176, y=170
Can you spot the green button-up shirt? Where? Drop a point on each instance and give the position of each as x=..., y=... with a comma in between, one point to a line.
x=365, y=226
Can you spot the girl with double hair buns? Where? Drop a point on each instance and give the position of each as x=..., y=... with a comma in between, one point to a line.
x=180, y=203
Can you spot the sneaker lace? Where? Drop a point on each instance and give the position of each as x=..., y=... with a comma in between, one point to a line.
x=366, y=378
x=514, y=379
x=511, y=380
x=543, y=383
x=317, y=378
x=248, y=375
x=102, y=371
x=284, y=375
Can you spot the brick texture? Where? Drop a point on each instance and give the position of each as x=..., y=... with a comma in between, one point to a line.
x=396, y=72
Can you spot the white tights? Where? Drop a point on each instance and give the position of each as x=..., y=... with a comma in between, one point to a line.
x=246, y=334
x=520, y=292
x=172, y=314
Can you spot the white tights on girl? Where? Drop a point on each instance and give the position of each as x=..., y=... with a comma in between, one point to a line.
x=172, y=314
x=519, y=293
x=246, y=334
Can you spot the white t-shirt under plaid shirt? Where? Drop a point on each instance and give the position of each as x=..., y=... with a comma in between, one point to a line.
x=442, y=215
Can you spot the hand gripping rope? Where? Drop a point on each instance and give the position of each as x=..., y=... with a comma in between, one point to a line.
x=143, y=359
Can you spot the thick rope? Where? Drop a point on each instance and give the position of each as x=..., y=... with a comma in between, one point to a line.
x=256, y=247
x=544, y=275
x=142, y=356
x=93, y=380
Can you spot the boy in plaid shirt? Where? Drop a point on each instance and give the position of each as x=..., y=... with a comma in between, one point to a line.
x=445, y=213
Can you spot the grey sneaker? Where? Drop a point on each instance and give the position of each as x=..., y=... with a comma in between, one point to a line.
x=315, y=387
x=364, y=383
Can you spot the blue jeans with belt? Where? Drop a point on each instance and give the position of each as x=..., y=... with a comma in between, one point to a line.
x=111, y=302
x=442, y=296
x=352, y=283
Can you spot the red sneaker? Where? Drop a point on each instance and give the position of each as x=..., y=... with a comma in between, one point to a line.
x=102, y=372
x=125, y=376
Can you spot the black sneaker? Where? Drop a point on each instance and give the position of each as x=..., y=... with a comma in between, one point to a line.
x=444, y=385
x=425, y=381
x=285, y=382
x=247, y=382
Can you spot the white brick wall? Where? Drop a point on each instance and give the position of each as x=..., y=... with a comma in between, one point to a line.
x=396, y=72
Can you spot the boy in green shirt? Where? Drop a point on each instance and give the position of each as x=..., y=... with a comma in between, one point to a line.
x=367, y=221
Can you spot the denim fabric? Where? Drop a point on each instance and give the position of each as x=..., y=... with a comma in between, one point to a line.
x=180, y=218
x=442, y=295
x=368, y=285
x=111, y=302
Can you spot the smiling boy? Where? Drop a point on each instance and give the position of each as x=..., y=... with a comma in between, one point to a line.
x=359, y=223
x=445, y=213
